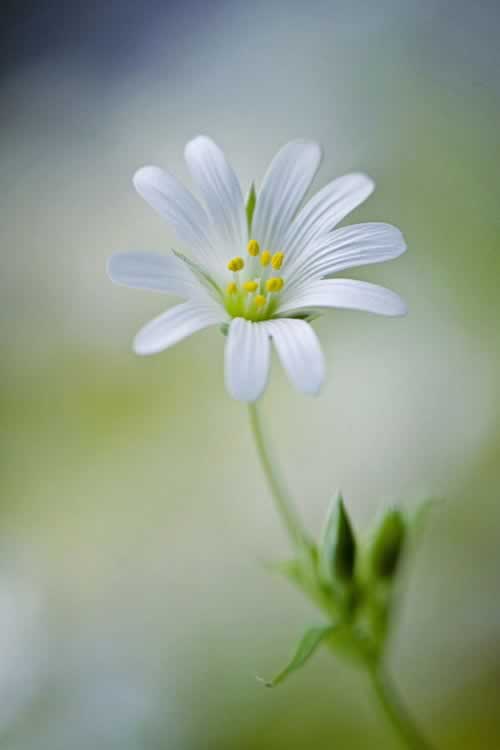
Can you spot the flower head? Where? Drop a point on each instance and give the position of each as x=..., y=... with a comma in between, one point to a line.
x=262, y=269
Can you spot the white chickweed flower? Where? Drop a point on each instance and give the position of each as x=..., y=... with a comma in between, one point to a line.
x=261, y=271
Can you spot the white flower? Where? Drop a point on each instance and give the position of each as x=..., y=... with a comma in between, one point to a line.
x=260, y=270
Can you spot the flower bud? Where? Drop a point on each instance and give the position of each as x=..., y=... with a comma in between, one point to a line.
x=388, y=545
x=338, y=545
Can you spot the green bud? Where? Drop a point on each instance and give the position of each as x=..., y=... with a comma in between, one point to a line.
x=250, y=206
x=388, y=544
x=338, y=545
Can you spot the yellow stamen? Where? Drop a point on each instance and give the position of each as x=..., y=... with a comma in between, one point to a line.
x=275, y=284
x=231, y=288
x=265, y=258
x=277, y=260
x=236, y=264
x=250, y=286
x=259, y=300
x=253, y=248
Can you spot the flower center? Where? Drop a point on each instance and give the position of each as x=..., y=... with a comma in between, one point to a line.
x=255, y=289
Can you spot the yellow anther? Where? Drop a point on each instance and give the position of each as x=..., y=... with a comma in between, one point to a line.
x=275, y=284
x=253, y=248
x=236, y=264
x=250, y=286
x=277, y=260
x=265, y=258
x=259, y=300
x=231, y=288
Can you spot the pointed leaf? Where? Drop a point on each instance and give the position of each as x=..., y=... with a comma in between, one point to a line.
x=250, y=206
x=388, y=544
x=338, y=545
x=305, y=649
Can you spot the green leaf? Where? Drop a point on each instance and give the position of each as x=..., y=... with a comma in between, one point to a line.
x=250, y=206
x=200, y=273
x=388, y=544
x=305, y=649
x=338, y=545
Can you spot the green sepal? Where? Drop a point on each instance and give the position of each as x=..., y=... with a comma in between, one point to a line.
x=388, y=544
x=288, y=568
x=307, y=315
x=250, y=207
x=300, y=571
x=305, y=649
x=200, y=273
x=337, y=550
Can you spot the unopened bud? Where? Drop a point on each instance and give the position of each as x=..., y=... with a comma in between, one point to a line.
x=388, y=544
x=338, y=545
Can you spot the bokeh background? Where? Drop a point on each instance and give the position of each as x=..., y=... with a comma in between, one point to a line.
x=135, y=605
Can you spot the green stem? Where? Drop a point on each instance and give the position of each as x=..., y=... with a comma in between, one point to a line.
x=282, y=500
x=388, y=699
x=396, y=712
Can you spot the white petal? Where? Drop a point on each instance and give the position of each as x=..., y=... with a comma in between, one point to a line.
x=176, y=324
x=356, y=245
x=158, y=273
x=344, y=293
x=221, y=192
x=325, y=210
x=283, y=189
x=247, y=359
x=181, y=209
x=300, y=353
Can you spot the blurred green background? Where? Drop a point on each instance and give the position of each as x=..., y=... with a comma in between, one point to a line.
x=135, y=607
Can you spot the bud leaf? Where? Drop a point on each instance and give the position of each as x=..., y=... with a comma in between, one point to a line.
x=388, y=544
x=305, y=649
x=338, y=545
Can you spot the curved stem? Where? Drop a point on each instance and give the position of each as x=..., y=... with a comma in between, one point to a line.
x=396, y=712
x=388, y=698
x=282, y=500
